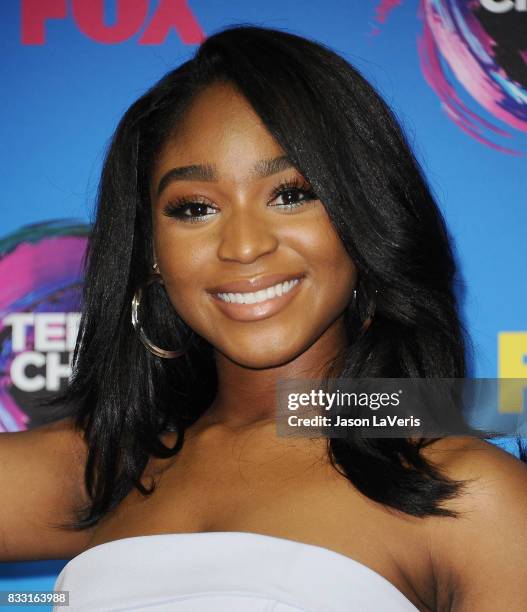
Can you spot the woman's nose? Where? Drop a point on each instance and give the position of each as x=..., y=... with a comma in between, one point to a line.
x=245, y=237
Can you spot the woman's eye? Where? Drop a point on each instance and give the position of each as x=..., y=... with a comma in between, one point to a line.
x=188, y=211
x=288, y=195
x=295, y=197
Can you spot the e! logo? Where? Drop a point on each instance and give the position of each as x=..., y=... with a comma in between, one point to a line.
x=88, y=15
x=512, y=363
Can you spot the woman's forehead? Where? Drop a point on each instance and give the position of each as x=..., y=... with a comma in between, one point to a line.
x=217, y=112
x=219, y=130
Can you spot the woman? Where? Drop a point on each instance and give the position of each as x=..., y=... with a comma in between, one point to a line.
x=265, y=161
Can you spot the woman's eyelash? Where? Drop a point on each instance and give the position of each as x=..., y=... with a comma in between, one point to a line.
x=295, y=184
x=179, y=207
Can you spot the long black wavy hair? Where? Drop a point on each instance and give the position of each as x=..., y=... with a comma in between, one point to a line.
x=343, y=138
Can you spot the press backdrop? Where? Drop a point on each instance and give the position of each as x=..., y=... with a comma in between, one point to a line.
x=454, y=71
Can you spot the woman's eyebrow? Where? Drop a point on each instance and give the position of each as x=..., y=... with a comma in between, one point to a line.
x=198, y=172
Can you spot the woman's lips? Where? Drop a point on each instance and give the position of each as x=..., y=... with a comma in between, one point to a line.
x=245, y=285
x=258, y=310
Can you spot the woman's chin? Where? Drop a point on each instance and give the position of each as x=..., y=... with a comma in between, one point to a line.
x=262, y=356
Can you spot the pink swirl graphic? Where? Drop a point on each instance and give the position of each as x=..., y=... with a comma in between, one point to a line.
x=40, y=272
x=485, y=52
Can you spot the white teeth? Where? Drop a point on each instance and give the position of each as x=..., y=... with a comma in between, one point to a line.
x=259, y=296
x=270, y=293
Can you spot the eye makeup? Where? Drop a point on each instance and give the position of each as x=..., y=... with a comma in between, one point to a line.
x=191, y=209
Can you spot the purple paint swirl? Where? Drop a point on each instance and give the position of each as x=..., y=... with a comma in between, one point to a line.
x=40, y=272
x=485, y=52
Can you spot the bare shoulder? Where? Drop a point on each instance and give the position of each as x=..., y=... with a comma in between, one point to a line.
x=62, y=431
x=42, y=482
x=54, y=441
x=481, y=555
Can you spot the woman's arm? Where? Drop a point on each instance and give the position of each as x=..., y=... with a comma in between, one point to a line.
x=41, y=481
x=483, y=556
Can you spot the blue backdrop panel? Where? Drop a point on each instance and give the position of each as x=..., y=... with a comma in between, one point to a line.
x=454, y=72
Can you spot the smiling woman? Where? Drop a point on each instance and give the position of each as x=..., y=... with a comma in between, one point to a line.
x=243, y=238
x=262, y=217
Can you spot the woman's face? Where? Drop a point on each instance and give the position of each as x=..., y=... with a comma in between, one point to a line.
x=229, y=209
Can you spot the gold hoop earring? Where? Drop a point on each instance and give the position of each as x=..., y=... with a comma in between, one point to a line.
x=136, y=302
x=371, y=312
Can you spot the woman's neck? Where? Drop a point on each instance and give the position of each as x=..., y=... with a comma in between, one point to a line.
x=247, y=396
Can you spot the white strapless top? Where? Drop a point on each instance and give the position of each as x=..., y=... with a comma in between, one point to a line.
x=223, y=571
